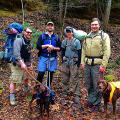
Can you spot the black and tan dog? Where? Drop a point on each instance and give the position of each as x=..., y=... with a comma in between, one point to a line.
x=41, y=95
x=110, y=92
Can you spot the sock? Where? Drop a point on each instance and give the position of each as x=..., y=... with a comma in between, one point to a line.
x=40, y=76
x=12, y=97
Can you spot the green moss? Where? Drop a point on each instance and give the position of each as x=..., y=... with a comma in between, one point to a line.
x=5, y=13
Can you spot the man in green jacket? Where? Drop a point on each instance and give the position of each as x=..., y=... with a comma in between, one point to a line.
x=95, y=55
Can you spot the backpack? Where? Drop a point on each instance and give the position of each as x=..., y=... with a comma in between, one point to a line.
x=8, y=47
x=78, y=34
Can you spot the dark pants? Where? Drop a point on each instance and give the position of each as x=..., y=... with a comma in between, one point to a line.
x=49, y=77
x=92, y=75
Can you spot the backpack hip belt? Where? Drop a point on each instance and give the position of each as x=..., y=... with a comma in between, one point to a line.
x=93, y=58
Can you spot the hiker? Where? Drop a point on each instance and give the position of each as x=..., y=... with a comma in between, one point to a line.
x=95, y=55
x=22, y=53
x=48, y=45
x=71, y=58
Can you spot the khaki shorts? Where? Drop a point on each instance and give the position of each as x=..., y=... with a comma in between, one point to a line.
x=16, y=74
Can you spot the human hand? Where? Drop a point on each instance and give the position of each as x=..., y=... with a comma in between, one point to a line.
x=22, y=65
x=102, y=69
x=82, y=66
x=50, y=48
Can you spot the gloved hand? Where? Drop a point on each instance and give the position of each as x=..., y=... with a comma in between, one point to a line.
x=22, y=64
x=102, y=69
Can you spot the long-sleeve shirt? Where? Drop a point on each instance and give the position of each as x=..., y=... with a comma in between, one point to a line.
x=22, y=49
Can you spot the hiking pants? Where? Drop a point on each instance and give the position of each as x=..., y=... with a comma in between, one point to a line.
x=92, y=75
x=71, y=81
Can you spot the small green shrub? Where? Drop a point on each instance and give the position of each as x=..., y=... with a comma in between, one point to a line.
x=118, y=61
x=110, y=77
x=111, y=65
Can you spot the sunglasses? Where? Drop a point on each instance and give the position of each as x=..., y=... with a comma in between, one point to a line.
x=28, y=32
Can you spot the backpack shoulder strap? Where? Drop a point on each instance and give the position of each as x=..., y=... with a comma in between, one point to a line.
x=43, y=38
x=102, y=35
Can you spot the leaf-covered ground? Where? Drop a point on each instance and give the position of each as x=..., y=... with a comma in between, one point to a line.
x=62, y=110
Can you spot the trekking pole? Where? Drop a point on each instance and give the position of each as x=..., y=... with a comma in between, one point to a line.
x=48, y=72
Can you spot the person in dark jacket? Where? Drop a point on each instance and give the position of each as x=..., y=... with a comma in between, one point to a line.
x=48, y=45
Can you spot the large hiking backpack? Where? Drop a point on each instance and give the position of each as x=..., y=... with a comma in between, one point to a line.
x=78, y=34
x=16, y=28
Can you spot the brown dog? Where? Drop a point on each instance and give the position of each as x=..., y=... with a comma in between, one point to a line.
x=41, y=96
x=110, y=92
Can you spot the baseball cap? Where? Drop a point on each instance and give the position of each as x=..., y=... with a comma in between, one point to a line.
x=68, y=29
x=50, y=22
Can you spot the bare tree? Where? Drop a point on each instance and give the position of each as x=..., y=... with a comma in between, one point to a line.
x=60, y=11
x=63, y=14
x=107, y=14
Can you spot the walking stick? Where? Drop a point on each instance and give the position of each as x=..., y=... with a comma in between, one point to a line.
x=48, y=72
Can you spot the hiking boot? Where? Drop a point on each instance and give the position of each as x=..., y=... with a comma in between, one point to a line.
x=96, y=108
x=89, y=105
x=77, y=107
x=12, y=99
x=77, y=104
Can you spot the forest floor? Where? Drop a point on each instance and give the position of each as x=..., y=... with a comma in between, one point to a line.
x=62, y=110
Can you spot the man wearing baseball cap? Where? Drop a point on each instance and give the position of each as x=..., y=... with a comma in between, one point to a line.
x=48, y=45
x=71, y=57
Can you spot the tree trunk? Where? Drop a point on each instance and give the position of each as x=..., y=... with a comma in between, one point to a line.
x=60, y=11
x=107, y=14
x=63, y=18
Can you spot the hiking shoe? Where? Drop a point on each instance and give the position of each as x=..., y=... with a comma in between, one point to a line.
x=76, y=100
x=89, y=105
x=96, y=108
x=77, y=107
x=12, y=99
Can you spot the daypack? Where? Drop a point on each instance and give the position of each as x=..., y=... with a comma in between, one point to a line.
x=8, y=47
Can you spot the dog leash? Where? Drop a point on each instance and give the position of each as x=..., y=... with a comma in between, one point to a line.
x=34, y=78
